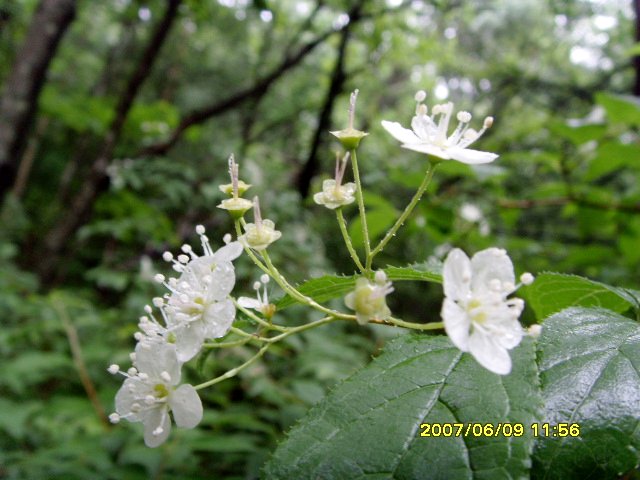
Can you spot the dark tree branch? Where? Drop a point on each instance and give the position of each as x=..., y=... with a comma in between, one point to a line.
x=82, y=204
x=255, y=91
x=338, y=78
x=20, y=97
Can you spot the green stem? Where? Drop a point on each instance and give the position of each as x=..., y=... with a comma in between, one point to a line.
x=347, y=239
x=234, y=371
x=249, y=252
x=288, y=288
x=257, y=319
x=242, y=333
x=407, y=211
x=415, y=326
x=301, y=328
x=363, y=216
x=236, y=343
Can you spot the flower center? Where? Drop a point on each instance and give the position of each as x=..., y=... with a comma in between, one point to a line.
x=476, y=311
x=160, y=390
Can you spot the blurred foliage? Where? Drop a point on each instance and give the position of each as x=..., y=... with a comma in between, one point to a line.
x=564, y=195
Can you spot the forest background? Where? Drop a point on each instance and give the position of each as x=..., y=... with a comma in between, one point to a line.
x=116, y=120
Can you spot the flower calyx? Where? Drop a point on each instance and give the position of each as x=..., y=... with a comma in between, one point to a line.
x=368, y=299
x=350, y=137
x=260, y=234
x=261, y=303
x=236, y=206
x=334, y=194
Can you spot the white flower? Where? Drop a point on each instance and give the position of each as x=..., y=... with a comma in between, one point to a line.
x=470, y=212
x=261, y=303
x=151, y=391
x=334, y=194
x=199, y=306
x=262, y=233
x=369, y=298
x=477, y=315
x=429, y=137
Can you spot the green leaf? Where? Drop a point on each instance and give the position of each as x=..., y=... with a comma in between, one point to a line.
x=552, y=292
x=14, y=417
x=580, y=134
x=321, y=289
x=620, y=108
x=370, y=425
x=589, y=363
x=416, y=272
x=633, y=51
x=612, y=156
x=328, y=287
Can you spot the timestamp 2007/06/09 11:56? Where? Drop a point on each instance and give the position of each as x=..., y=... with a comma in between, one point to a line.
x=498, y=429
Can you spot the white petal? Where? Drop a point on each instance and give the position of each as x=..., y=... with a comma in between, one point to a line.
x=349, y=300
x=362, y=318
x=486, y=350
x=349, y=188
x=157, y=417
x=247, y=302
x=189, y=340
x=456, y=324
x=130, y=392
x=229, y=252
x=319, y=198
x=153, y=359
x=328, y=186
x=424, y=127
x=429, y=149
x=511, y=334
x=221, y=282
x=218, y=318
x=471, y=157
x=456, y=275
x=400, y=133
x=186, y=406
x=491, y=264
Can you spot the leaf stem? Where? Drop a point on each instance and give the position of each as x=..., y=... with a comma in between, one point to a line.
x=363, y=215
x=347, y=240
x=407, y=211
x=257, y=319
x=415, y=326
x=234, y=371
x=300, y=297
x=317, y=323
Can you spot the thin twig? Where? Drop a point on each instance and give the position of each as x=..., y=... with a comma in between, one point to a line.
x=78, y=360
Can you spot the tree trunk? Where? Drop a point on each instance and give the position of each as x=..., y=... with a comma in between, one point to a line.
x=20, y=97
x=97, y=180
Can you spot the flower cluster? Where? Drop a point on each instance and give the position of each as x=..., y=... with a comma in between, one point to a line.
x=196, y=308
x=477, y=313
